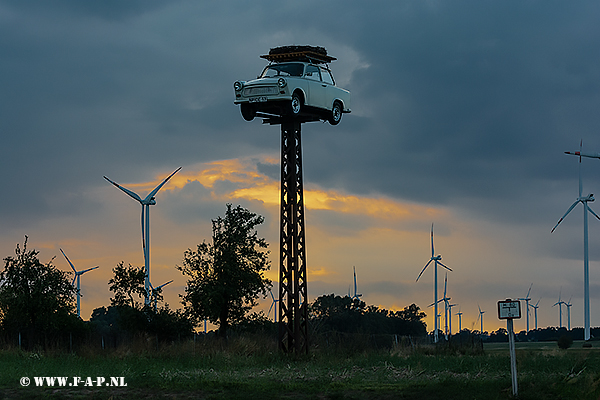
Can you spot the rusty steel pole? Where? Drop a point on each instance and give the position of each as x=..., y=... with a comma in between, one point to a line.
x=293, y=295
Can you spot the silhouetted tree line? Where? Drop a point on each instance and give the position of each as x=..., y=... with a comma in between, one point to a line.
x=348, y=315
x=37, y=307
x=37, y=301
x=542, y=334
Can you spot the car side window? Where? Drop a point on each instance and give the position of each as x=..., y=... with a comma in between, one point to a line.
x=312, y=72
x=326, y=76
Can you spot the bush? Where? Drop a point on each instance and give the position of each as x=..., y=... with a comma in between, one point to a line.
x=564, y=342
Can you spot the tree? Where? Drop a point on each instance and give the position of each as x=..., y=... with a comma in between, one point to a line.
x=36, y=300
x=227, y=275
x=127, y=283
x=344, y=314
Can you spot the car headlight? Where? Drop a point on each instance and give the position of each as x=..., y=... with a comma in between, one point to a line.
x=238, y=85
x=281, y=82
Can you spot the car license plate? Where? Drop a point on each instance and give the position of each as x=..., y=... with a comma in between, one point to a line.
x=260, y=99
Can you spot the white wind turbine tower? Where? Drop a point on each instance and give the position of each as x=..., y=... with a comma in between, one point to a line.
x=480, y=318
x=450, y=316
x=526, y=300
x=459, y=313
x=535, y=308
x=156, y=291
x=146, y=203
x=436, y=260
x=586, y=263
x=273, y=307
x=356, y=295
x=569, y=305
x=77, y=277
x=559, y=303
x=446, y=301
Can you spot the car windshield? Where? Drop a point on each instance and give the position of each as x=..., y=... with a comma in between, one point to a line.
x=283, y=69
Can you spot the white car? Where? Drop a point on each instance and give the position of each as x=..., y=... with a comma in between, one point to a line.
x=293, y=88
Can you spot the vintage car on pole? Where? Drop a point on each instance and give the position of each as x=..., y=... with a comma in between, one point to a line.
x=296, y=83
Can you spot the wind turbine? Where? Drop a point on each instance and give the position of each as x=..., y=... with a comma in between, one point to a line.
x=446, y=301
x=78, y=278
x=586, y=263
x=273, y=306
x=436, y=260
x=535, y=308
x=450, y=320
x=582, y=154
x=156, y=292
x=356, y=295
x=146, y=203
x=526, y=300
x=559, y=303
x=480, y=318
x=459, y=313
x=569, y=305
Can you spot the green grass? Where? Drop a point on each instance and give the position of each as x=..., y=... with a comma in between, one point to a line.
x=249, y=369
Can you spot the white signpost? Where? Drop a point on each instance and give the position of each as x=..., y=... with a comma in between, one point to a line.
x=509, y=310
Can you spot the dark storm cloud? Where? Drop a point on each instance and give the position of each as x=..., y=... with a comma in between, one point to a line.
x=470, y=102
x=467, y=103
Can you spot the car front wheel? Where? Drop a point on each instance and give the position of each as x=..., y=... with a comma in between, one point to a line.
x=295, y=105
x=248, y=112
x=336, y=113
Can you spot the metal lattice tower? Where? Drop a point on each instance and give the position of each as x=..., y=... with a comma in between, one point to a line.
x=293, y=295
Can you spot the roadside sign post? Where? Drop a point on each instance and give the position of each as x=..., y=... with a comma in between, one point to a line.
x=509, y=310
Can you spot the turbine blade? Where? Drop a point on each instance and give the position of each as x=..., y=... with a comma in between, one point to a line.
x=69, y=261
x=445, y=284
x=156, y=189
x=129, y=192
x=434, y=303
x=423, y=270
x=592, y=211
x=432, y=251
x=440, y=263
x=270, y=308
x=580, y=182
x=564, y=216
x=143, y=233
x=529, y=291
x=164, y=284
x=86, y=270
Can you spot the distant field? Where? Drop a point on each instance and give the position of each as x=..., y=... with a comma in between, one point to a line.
x=577, y=345
x=247, y=370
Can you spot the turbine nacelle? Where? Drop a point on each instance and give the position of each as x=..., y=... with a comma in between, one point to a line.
x=589, y=197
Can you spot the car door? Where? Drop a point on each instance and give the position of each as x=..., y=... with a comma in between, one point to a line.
x=316, y=96
x=330, y=89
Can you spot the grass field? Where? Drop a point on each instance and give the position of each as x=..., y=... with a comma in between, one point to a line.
x=249, y=369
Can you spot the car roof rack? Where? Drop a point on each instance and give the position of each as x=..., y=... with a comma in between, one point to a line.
x=315, y=54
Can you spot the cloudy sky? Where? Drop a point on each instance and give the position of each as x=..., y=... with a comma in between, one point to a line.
x=461, y=113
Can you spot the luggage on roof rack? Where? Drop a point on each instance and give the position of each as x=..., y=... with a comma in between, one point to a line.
x=314, y=54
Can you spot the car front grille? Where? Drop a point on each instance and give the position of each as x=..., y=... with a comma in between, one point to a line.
x=260, y=90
